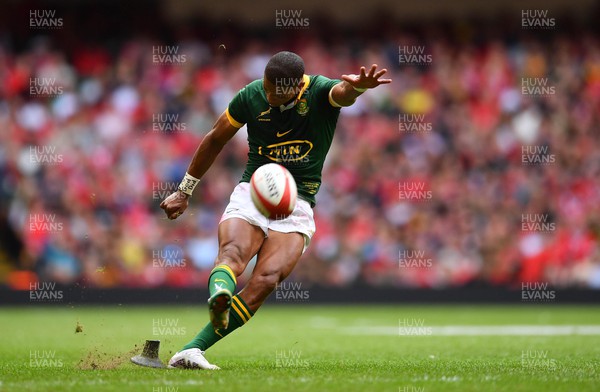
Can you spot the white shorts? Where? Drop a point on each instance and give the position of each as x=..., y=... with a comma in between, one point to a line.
x=241, y=206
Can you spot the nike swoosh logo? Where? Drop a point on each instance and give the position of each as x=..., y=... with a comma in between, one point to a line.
x=279, y=134
x=220, y=280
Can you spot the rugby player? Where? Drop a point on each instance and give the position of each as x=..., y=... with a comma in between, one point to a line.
x=291, y=119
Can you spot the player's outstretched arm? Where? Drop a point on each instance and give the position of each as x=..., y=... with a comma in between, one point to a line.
x=212, y=144
x=346, y=92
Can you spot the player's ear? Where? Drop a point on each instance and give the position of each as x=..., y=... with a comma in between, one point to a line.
x=300, y=86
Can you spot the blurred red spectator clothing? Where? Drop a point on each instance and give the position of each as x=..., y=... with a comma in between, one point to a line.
x=17, y=80
x=484, y=115
x=22, y=280
x=91, y=60
x=533, y=267
x=471, y=158
x=207, y=79
x=571, y=247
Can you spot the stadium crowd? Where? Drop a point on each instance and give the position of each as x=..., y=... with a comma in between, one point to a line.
x=479, y=164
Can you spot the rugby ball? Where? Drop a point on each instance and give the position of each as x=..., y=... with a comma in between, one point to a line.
x=273, y=191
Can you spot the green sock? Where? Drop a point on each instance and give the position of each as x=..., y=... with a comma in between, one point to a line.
x=239, y=314
x=221, y=277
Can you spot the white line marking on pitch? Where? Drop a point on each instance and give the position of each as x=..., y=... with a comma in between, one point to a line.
x=471, y=330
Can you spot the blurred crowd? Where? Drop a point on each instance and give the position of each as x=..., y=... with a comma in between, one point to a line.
x=479, y=164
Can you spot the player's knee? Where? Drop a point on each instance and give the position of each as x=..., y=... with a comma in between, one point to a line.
x=232, y=255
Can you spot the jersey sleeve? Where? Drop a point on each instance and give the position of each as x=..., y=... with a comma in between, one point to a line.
x=236, y=111
x=323, y=86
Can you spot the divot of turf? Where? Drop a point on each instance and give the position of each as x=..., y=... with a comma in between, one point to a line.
x=95, y=359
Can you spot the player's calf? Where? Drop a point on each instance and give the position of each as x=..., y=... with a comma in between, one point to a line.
x=260, y=286
x=230, y=255
x=234, y=255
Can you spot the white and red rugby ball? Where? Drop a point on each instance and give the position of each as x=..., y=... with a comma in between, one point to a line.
x=273, y=191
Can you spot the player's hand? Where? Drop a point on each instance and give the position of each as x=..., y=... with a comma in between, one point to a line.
x=367, y=80
x=175, y=204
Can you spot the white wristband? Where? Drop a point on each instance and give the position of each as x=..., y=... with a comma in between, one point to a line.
x=360, y=90
x=188, y=184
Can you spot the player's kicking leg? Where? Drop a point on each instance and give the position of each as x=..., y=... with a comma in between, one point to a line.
x=239, y=241
x=277, y=258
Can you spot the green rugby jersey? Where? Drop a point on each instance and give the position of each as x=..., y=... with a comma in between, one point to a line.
x=297, y=138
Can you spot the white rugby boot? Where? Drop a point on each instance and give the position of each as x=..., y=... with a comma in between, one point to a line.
x=192, y=358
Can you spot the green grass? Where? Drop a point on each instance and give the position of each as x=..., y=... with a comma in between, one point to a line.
x=327, y=358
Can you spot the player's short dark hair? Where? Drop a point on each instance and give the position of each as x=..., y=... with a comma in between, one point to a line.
x=284, y=65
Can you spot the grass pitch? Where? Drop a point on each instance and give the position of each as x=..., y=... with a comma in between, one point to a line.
x=307, y=348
